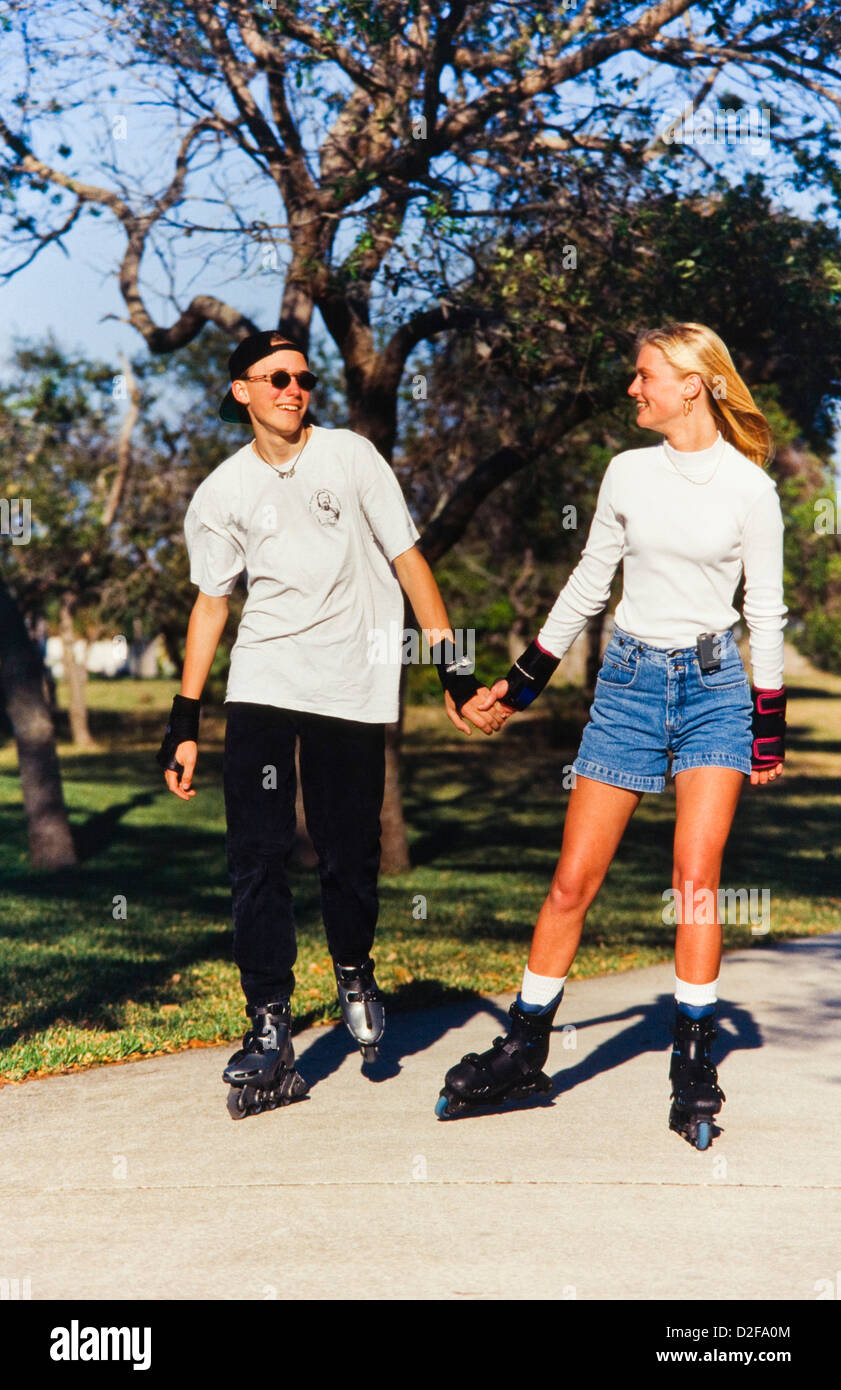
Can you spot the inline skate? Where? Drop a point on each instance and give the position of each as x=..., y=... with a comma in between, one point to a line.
x=262, y=1074
x=696, y=1095
x=362, y=1006
x=510, y=1070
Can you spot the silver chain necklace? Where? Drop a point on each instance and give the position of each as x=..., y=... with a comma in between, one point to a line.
x=667, y=448
x=287, y=472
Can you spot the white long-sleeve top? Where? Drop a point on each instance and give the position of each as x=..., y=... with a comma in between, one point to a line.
x=684, y=526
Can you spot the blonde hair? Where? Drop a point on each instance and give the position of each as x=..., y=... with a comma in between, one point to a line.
x=692, y=347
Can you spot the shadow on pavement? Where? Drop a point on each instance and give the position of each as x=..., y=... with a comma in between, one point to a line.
x=405, y=1035
x=649, y=1030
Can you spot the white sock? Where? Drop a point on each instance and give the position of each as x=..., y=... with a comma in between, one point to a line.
x=686, y=993
x=540, y=989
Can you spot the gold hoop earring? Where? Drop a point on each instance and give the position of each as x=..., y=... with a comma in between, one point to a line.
x=687, y=407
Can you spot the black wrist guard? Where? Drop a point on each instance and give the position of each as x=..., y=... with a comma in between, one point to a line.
x=455, y=674
x=528, y=676
x=183, y=725
x=769, y=728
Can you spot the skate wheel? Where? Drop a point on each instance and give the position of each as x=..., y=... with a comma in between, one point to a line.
x=236, y=1103
x=704, y=1135
x=369, y=1052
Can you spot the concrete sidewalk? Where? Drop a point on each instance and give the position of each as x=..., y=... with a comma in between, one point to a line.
x=132, y=1182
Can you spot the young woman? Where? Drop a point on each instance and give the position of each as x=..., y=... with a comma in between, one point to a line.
x=686, y=517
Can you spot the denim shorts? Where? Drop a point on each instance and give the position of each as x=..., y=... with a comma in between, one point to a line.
x=651, y=702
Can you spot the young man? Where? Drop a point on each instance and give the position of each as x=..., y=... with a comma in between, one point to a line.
x=317, y=521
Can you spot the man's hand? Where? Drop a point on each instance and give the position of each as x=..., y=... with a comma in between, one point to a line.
x=770, y=775
x=186, y=754
x=483, y=710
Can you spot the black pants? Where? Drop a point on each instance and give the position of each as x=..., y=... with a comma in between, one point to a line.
x=342, y=781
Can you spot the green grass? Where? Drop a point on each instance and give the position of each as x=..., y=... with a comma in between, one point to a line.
x=81, y=985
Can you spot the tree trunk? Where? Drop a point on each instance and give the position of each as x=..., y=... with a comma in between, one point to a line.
x=40, y=635
x=75, y=675
x=50, y=696
x=174, y=646
x=395, y=849
x=395, y=845
x=304, y=851
x=22, y=678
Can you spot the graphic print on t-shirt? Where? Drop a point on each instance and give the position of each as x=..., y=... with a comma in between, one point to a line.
x=325, y=506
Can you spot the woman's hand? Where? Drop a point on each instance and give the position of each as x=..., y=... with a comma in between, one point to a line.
x=772, y=774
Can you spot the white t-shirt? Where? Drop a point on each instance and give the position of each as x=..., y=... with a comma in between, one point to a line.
x=684, y=525
x=317, y=550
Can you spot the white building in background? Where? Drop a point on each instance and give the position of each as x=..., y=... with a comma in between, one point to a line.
x=114, y=657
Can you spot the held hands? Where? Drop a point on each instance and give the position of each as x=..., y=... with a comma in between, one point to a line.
x=483, y=710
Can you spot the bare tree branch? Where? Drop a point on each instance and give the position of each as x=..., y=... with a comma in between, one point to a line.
x=425, y=325
x=261, y=131
x=376, y=82
x=85, y=192
x=679, y=54
x=656, y=145
x=138, y=226
x=556, y=69
x=46, y=239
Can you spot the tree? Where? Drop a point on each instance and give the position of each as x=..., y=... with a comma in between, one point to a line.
x=385, y=131
x=384, y=128
x=22, y=688
x=665, y=259
x=812, y=514
x=66, y=450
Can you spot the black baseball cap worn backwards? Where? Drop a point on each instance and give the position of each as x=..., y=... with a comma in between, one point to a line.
x=252, y=349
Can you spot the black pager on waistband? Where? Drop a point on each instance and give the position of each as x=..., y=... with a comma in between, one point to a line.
x=708, y=647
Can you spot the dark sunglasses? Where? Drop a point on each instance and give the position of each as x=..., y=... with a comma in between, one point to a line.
x=280, y=379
